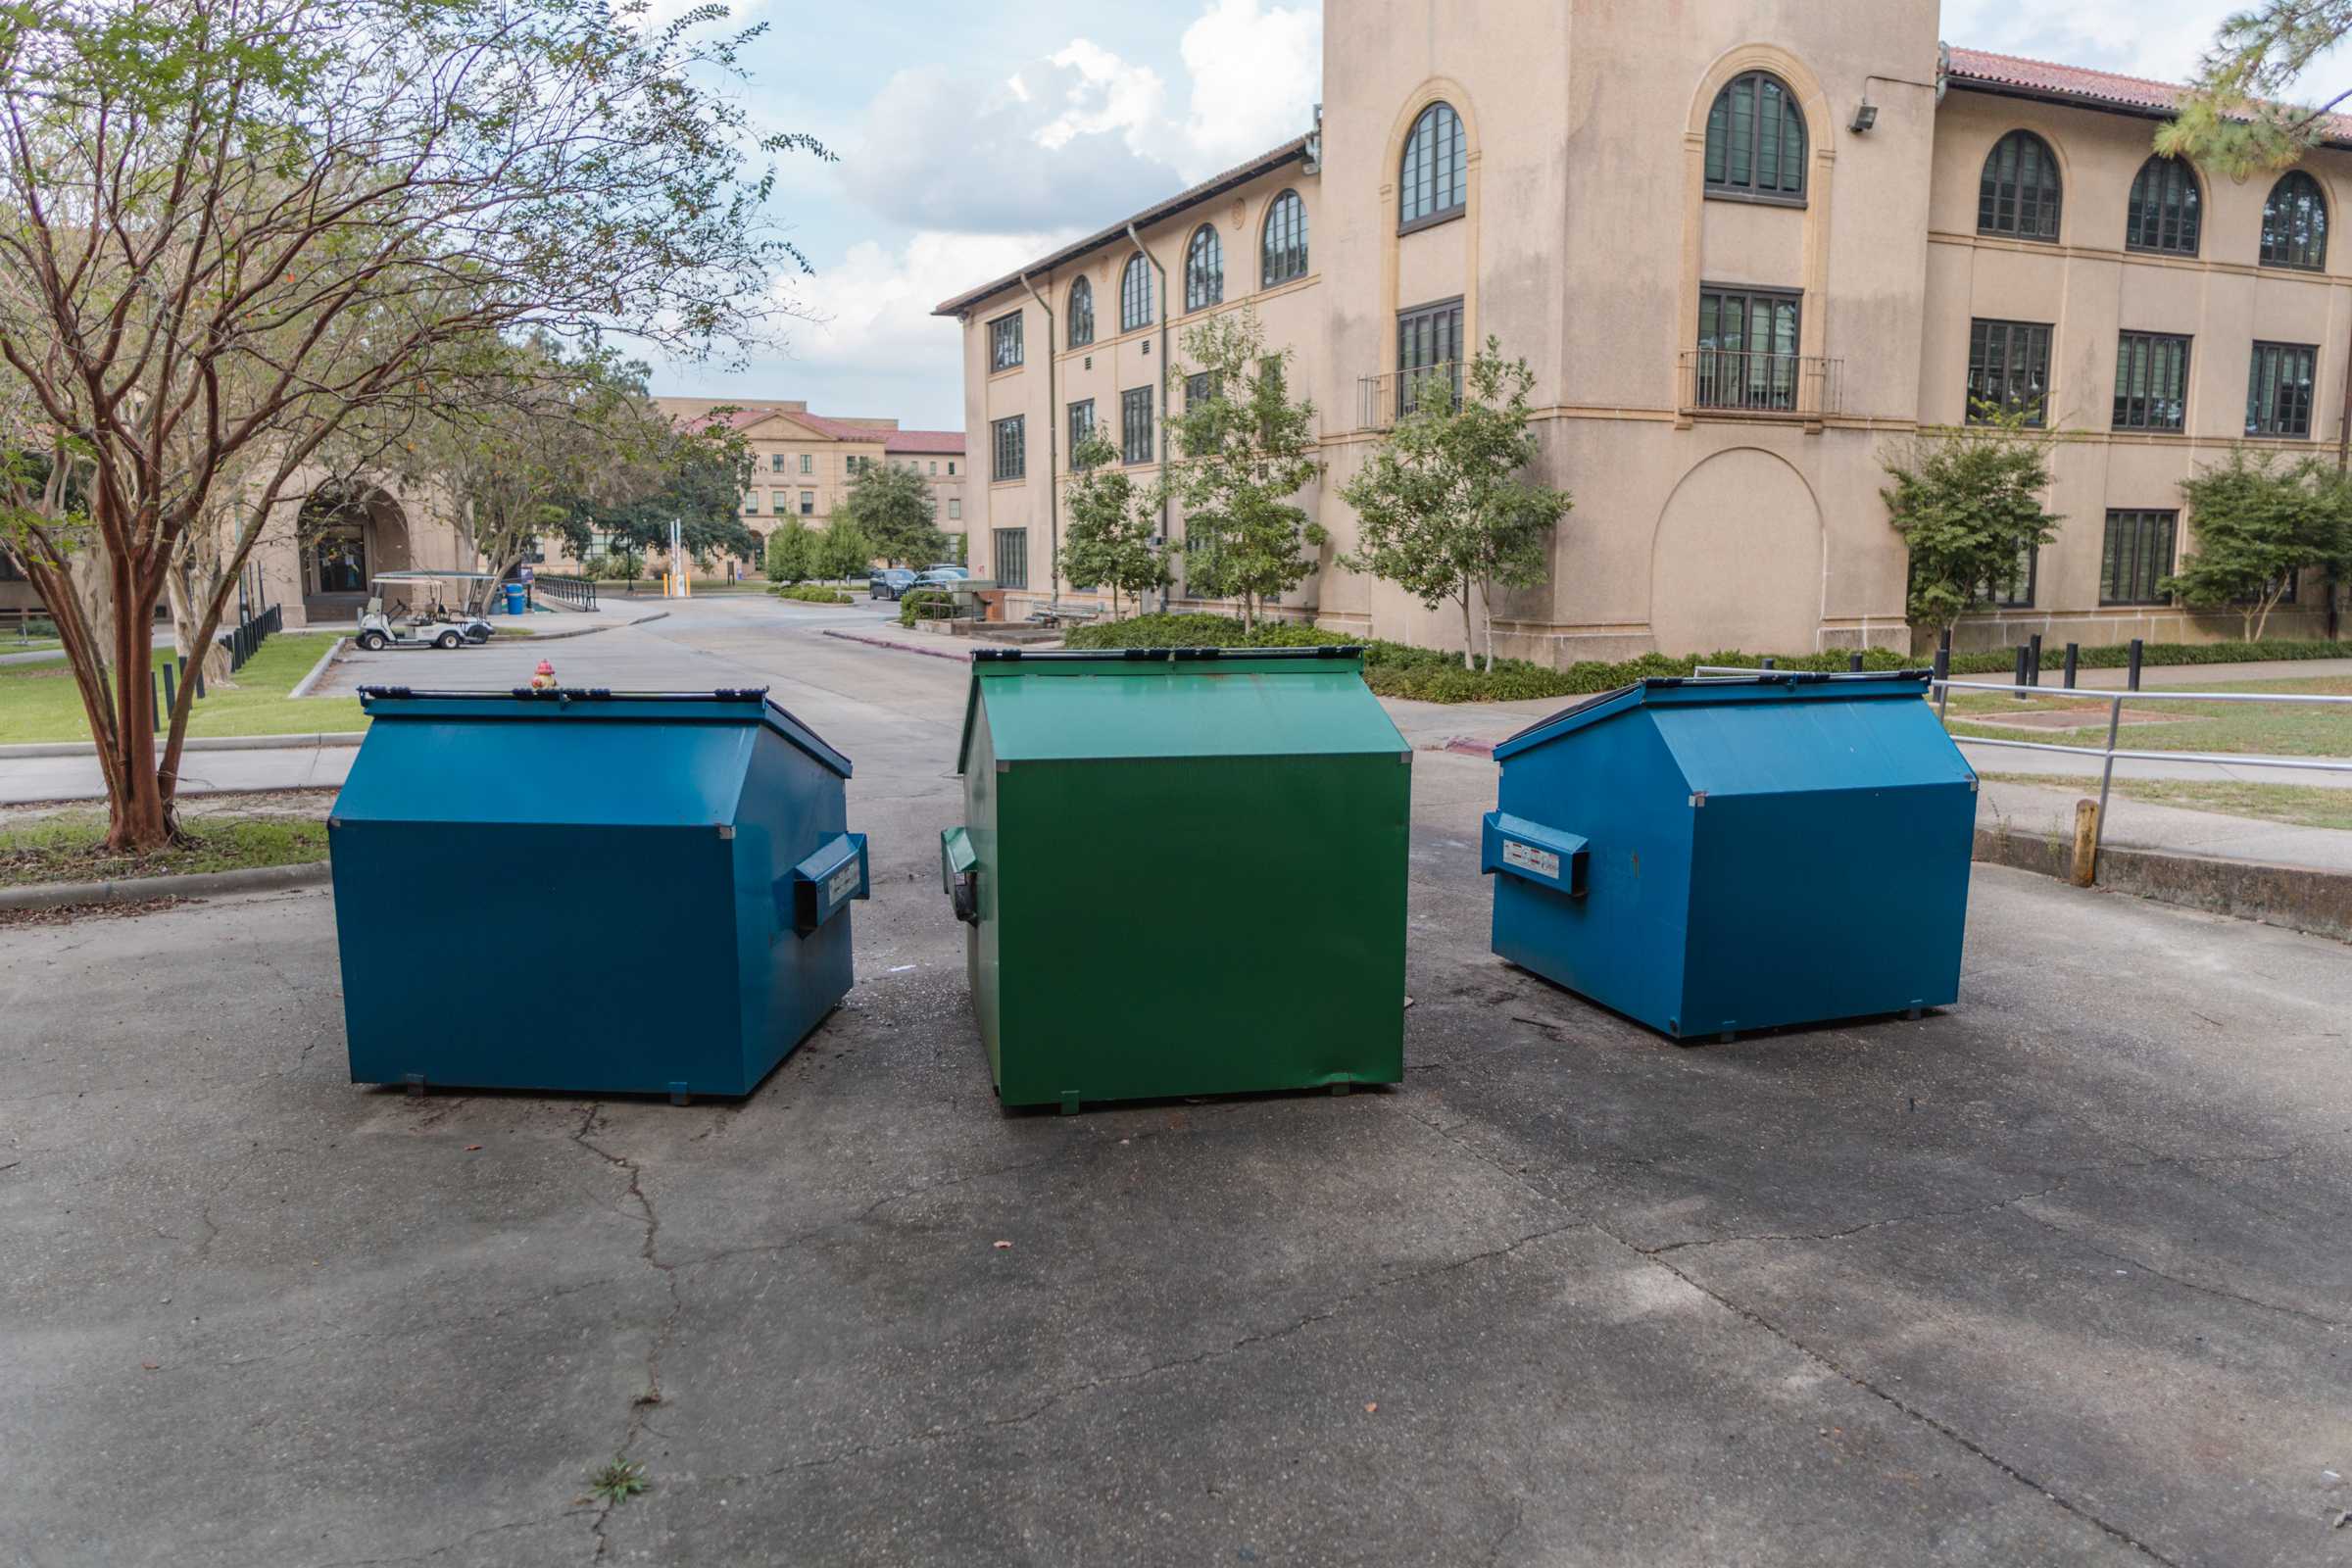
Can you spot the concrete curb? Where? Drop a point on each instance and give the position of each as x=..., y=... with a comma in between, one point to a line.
x=587, y=631
x=201, y=742
x=2298, y=898
x=302, y=687
x=194, y=885
x=959, y=655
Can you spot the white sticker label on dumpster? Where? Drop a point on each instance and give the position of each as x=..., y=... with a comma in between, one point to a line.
x=1527, y=857
x=843, y=883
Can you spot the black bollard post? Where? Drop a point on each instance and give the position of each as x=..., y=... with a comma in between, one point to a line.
x=2021, y=673
x=2033, y=660
x=2132, y=681
x=1766, y=662
x=2073, y=655
x=155, y=709
x=1853, y=663
x=170, y=686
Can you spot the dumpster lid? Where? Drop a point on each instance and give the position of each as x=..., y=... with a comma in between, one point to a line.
x=1703, y=691
x=1137, y=703
x=749, y=705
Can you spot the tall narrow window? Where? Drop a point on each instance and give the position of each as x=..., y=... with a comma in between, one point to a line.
x=1082, y=314
x=1081, y=425
x=807, y=463
x=2278, y=388
x=2151, y=381
x=1012, y=557
x=1433, y=182
x=1428, y=344
x=1135, y=426
x=1004, y=343
x=1009, y=443
x=2136, y=555
x=2162, y=214
x=2294, y=223
x=1135, y=294
x=1283, y=256
x=1203, y=269
x=1756, y=140
x=2019, y=191
x=2009, y=368
x=1747, y=354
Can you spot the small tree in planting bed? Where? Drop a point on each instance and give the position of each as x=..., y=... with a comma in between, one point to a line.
x=1968, y=504
x=791, y=554
x=893, y=508
x=1109, y=538
x=1440, y=507
x=2257, y=524
x=1237, y=456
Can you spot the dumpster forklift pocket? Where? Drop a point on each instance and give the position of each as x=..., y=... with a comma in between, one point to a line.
x=1533, y=853
x=822, y=885
x=960, y=873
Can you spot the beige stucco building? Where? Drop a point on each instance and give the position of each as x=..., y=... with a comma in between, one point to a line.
x=1744, y=246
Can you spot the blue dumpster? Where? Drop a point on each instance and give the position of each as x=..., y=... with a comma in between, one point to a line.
x=516, y=599
x=667, y=878
x=1713, y=855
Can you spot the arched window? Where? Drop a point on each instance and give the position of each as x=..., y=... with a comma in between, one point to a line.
x=2163, y=212
x=1756, y=139
x=1283, y=255
x=1135, y=294
x=1204, y=268
x=1082, y=314
x=2018, y=193
x=2294, y=223
x=1431, y=183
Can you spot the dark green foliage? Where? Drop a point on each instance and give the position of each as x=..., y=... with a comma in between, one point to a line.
x=1968, y=504
x=925, y=604
x=2257, y=522
x=811, y=593
x=2118, y=655
x=894, y=511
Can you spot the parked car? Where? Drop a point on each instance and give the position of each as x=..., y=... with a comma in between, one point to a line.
x=949, y=566
x=941, y=577
x=889, y=582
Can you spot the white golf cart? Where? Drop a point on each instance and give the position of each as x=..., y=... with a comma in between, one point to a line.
x=423, y=620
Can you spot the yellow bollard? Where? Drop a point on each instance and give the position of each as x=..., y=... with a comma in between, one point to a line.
x=2086, y=844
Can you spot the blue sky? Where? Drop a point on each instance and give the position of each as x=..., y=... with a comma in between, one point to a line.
x=976, y=135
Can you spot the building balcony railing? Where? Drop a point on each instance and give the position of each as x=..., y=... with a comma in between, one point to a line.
x=1744, y=381
x=1393, y=394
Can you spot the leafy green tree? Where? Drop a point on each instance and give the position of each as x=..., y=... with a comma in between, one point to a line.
x=843, y=550
x=1441, y=505
x=1968, y=504
x=694, y=474
x=791, y=551
x=1237, y=457
x=2236, y=116
x=894, y=508
x=1107, y=540
x=2257, y=522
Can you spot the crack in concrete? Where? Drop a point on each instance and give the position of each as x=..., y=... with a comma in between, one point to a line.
x=634, y=1428
x=468, y=1539
x=2079, y=1239
x=1912, y=1219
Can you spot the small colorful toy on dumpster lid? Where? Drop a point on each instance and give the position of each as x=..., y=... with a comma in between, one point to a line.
x=1184, y=872
x=1711, y=856
x=489, y=849
x=543, y=679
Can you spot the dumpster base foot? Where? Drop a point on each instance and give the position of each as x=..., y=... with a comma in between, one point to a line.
x=1342, y=1087
x=678, y=1095
x=415, y=1083
x=1912, y=1013
x=1069, y=1102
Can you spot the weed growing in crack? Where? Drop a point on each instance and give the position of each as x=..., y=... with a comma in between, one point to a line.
x=616, y=1482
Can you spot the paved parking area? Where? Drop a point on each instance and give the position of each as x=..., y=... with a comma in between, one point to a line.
x=2059, y=1276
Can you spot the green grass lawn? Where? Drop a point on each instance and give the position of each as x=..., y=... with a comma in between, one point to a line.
x=40, y=702
x=65, y=848
x=2258, y=728
x=2299, y=804
x=29, y=645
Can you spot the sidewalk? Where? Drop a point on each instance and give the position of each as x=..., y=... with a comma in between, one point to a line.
x=25, y=779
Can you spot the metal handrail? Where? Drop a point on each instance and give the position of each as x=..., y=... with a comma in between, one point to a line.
x=1758, y=381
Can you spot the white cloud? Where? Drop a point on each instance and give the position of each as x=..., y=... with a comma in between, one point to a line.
x=1101, y=95
x=876, y=302
x=2159, y=39
x=1255, y=77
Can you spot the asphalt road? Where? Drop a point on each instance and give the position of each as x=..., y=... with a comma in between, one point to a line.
x=2058, y=1277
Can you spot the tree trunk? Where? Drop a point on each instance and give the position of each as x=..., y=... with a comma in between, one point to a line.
x=184, y=616
x=1469, y=629
x=1485, y=619
x=141, y=817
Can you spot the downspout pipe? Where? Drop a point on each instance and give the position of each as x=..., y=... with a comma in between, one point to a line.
x=1168, y=528
x=2343, y=461
x=1052, y=451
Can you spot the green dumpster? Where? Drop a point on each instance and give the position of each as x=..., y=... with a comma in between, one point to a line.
x=1184, y=872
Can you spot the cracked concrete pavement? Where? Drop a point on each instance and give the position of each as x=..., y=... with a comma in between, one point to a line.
x=2058, y=1277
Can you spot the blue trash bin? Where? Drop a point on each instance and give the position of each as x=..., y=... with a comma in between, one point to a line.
x=667, y=877
x=515, y=604
x=1712, y=856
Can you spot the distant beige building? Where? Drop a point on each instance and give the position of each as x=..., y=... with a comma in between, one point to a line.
x=1743, y=248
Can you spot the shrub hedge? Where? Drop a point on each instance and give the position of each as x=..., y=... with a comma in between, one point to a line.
x=811, y=593
x=911, y=603
x=1395, y=669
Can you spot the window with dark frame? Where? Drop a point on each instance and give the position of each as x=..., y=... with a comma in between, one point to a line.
x=1429, y=339
x=1431, y=179
x=2151, y=381
x=1081, y=425
x=2018, y=192
x=2009, y=367
x=2136, y=556
x=1082, y=314
x=1004, y=343
x=775, y=463
x=1199, y=388
x=1203, y=269
x=1757, y=141
x=2294, y=223
x=1135, y=294
x=2162, y=214
x=1281, y=254
x=2014, y=590
x=1747, y=349
x=1012, y=557
x=2280, y=382
x=1135, y=426
x=1009, y=445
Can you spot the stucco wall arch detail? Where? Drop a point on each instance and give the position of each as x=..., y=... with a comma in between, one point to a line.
x=1736, y=560
x=1446, y=90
